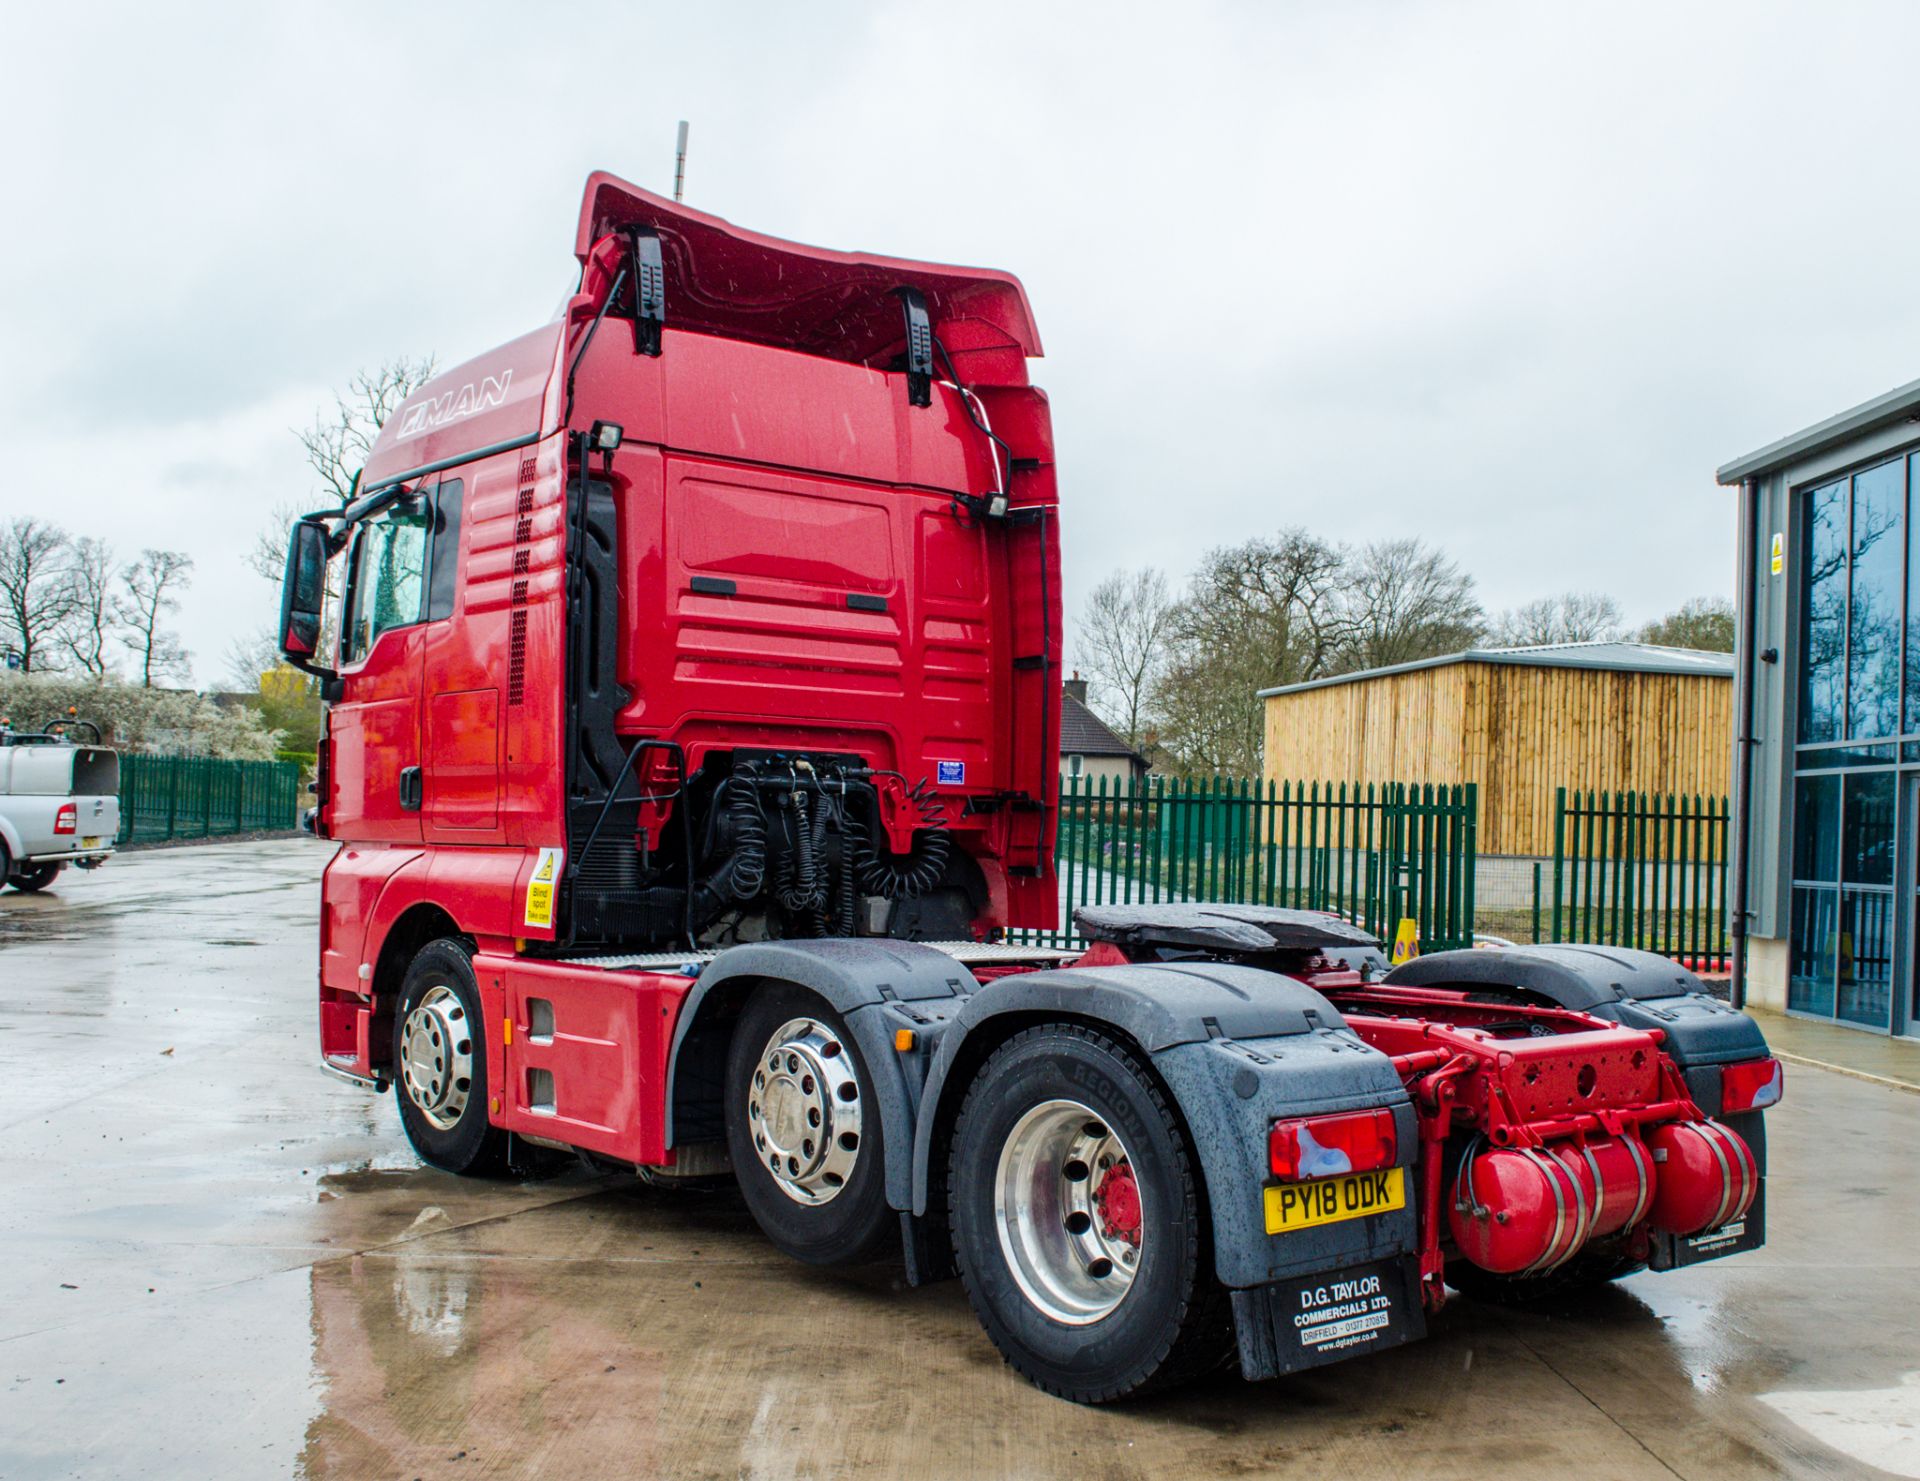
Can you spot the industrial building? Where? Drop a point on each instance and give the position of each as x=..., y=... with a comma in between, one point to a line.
x=1828, y=748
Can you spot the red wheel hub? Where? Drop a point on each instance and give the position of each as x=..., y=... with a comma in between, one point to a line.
x=1117, y=1201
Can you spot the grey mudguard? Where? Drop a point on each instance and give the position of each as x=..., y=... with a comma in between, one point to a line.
x=876, y=986
x=1239, y=1048
x=1219, y=928
x=1232, y=1091
x=1579, y=977
x=1637, y=989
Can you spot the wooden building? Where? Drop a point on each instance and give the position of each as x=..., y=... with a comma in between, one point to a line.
x=1519, y=723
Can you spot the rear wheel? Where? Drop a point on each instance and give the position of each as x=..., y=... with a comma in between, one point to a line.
x=440, y=1064
x=803, y=1130
x=33, y=877
x=1077, y=1220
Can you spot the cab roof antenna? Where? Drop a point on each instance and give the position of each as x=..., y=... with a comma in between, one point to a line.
x=680, y=163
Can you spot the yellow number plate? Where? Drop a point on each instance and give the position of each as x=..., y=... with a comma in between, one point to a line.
x=1292, y=1206
x=90, y=843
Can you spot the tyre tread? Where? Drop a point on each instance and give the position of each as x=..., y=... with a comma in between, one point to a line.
x=491, y=1157
x=1200, y=1338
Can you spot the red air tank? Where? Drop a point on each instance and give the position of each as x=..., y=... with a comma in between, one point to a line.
x=1620, y=1169
x=1519, y=1210
x=1705, y=1174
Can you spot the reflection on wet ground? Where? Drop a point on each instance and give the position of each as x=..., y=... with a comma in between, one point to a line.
x=217, y=1261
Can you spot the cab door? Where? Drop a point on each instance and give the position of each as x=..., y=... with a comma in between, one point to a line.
x=374, y=728
x=461, y=718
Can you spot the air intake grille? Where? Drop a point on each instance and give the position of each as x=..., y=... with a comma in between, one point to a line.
x=517, y=657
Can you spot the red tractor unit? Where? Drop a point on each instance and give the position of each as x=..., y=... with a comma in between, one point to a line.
x=693, y=681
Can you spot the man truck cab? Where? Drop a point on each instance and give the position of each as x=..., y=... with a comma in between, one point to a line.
x=692, y=748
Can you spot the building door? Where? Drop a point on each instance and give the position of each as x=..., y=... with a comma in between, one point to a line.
x=1844, y=896
x=1906, y=986
x=1868, y=820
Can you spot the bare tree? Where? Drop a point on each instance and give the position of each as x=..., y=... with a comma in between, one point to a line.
x=89, y=627
x=36, y=589
x=1122, y=645
x=150, y=583
x=1401, y=601
x=1572, y=617
x=337, y=445
x=1705, y=623
x=1256, y=614
x=249, y=656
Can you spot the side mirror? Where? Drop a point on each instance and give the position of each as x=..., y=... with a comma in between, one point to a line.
x=303, y=592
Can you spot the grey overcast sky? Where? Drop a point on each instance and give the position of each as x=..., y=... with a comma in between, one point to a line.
x=1511, y=277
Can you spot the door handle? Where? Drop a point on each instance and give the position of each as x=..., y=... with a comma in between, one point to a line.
x=410, y=789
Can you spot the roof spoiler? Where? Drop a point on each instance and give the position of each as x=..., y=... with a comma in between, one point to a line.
x=719, y=279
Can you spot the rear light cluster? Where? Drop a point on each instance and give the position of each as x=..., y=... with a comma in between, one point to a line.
x=1752, y=1085
x=1326, y=1146
x=67, y=820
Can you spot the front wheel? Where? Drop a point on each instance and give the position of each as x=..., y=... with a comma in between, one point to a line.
x=1077, y=1219
x=30, y=878
x=440, y=1064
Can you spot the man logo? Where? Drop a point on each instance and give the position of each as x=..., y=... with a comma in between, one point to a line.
x=424, y=416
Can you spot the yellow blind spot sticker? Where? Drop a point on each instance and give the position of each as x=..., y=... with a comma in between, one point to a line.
x=546, y=872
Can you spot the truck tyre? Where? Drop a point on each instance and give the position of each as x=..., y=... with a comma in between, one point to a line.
x=30, y=878
x=440, y=1064
x=804, y=1132
x=1078, y=1220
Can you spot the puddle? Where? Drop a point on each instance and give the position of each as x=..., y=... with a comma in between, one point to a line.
x=1875, y=1426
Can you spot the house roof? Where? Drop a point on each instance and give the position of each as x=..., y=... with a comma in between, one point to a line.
x=1896, y=405
x=1083, y=733
x=1637, y=658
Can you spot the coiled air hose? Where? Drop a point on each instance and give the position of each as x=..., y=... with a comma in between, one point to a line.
x=910, y=875
x=746, y=868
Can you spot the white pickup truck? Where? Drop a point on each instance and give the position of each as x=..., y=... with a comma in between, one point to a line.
x=59, y=805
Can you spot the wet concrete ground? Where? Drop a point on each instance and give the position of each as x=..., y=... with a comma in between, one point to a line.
x=215, y=1261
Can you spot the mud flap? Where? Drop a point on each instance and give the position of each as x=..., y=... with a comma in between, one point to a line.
x=1316, y=1319
x=1749, y=1232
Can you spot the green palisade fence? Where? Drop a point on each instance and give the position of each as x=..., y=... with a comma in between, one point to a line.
x=1371, y=854
x=164, y=797
x=1642, y=869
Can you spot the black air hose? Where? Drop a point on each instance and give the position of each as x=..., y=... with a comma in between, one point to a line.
x=799, y=888
x=845, y=907
x=907, y=876
x=744, y=873
x=747, y=871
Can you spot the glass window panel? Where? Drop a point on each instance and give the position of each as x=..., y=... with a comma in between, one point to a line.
x=389, y=576
x=1810, y=985
x=1835, y=758
x=1823, y=613
x=1913, y=611
x=1873, y=608
x=1865, y=957
x=444, y=568
x=1816, y=828
x=1866, y=829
